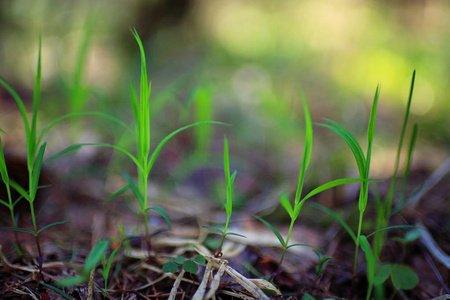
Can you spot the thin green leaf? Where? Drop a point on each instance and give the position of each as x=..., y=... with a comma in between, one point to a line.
x=95, y=256
x=17, y=229
x=337, y=218
x=277, y=234
x=51, y=225
x=329, y=185
x=19, y=103
x=235, y=234
x=118, y=193
x=299, y=244
x=214, y=229
x=351, y=142
x=391, y=227
x=410, y=151
x=167, y=138
x=3, y=168
x=306, y=152
x=81, y=114
x=20, y=190
x=284, y=200
x=34, y=182
x=31, y=139
x=135, y=190
x=71, y=281
x=370, y=258
x=163, y=213
x=5, y=203
x=57, y=290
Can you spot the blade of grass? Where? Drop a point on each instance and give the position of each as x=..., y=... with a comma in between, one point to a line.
x=277, y=234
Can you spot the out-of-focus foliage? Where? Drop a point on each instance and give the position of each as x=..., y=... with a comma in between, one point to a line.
x=252, y=56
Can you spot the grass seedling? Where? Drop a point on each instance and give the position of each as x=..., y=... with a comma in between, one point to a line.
x=229, y=203
x=35, y=156
x=294, y=211
x=145, y=158
x=107, y=266
x=385, y=215
x=94, y=257
x=363, y=162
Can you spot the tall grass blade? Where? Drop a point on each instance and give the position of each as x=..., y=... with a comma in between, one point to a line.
x=31, y=139
x=330, y=185
x=135, y=190
x=306, y=152
x=3, y=169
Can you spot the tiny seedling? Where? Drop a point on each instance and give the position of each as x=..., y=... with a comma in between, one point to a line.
x=107, y=266
x=189, y=265
x=322, y=259
x=229, y=203
x=294, y=211
x=94, y=257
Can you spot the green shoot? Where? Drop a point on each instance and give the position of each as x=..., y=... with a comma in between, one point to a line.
x=94, y=257
x=294, y=211
x=319, y=268
x=362, y=162
x=229, y=204
x=386, y=209
x=107, y=266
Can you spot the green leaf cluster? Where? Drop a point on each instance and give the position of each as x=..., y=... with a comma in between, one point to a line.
x=189, y=265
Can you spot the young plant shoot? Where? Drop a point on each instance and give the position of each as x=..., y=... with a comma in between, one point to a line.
x=294, y=211
x=229, y=203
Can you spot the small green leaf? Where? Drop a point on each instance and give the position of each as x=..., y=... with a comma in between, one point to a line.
x=403, y=277
x=51, y=225
x=277, y=234
x=34, y=182
x=299, y=244
x=190, y=266
x=370, y=258
x=236, y=234
x=163, y=213
x=135, y=190
x=71, y=281
x=18, y=229
x=413, y=235
x=118, y=193
x=200, y=259
x=382, y=273
x=284, y=200
x=179, y=260
x=170, y=267
x=307, y=296
x=95, y=256
x=20, y=190
x=214, y=229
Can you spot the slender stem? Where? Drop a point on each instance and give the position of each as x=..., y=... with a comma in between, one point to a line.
x=357, y=241
x=286, y=244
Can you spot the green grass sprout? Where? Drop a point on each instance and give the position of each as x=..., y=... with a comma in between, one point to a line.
x=145, y=157
x=363, y=162
x=229, y=179
x=94, y=257
x=294, y=211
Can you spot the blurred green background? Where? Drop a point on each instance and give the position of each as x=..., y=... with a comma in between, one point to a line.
x=245, y=62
